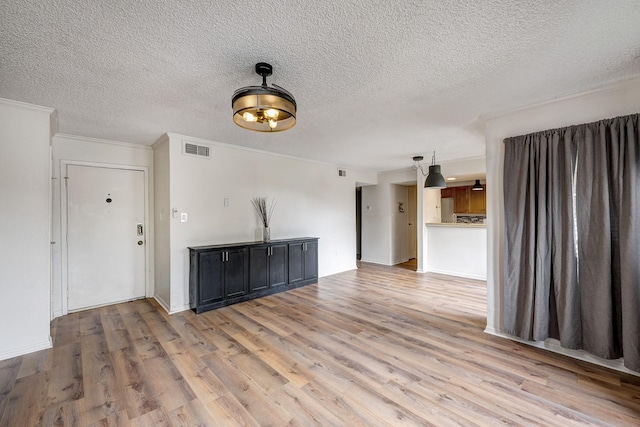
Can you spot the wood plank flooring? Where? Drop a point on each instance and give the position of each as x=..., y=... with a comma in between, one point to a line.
x=380, y=346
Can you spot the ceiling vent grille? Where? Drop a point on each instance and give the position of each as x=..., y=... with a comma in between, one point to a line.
x=189, y=149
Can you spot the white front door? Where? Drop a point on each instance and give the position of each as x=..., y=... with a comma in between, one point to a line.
x=106, y=236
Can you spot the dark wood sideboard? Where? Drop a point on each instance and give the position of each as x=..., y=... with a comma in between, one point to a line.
x=222, y=275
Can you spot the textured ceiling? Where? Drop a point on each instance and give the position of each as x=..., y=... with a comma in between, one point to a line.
x=376, y=82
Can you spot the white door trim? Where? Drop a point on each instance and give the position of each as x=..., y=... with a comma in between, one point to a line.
x=63, y=223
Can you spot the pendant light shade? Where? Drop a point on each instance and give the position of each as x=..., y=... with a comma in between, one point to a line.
x=477, y=186
x=435, y=178
x=264, y=108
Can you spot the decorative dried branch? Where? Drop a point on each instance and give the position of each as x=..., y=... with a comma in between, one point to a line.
x=260, y=203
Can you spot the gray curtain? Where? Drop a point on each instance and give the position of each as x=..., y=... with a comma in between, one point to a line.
x=572, y=237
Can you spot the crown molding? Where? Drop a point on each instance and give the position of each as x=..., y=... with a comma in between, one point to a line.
x=611, y=87
x=27, y=106
x=101, y=141
x=241, y=148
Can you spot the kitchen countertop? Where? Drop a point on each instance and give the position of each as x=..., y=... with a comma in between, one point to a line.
x=454, y=224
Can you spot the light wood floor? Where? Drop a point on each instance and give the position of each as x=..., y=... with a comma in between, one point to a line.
x=380, y=346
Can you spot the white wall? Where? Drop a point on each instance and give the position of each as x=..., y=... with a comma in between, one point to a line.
x=376, y=224
x=430, y=212
x=25, y=228
x=431, y=207
x=457, y=250
x=363, y=178
x=399, y=224
x=384, y=229
x=162, y=220
x=612, y=101
x=93, y=151
x=412, y=217
x=311, y=201
x=466, y=166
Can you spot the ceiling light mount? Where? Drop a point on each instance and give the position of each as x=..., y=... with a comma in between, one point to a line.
x=265, y=70
x=434, y=177
x=264, y=108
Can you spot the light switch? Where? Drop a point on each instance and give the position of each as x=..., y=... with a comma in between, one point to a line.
x=226, y=202
x=183, y=217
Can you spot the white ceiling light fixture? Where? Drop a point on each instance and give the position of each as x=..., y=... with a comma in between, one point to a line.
x=264, y=108
x=434, y=178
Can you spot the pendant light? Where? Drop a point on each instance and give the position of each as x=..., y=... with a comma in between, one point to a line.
x=264, y=108
x=477, y=186
x=434, y=178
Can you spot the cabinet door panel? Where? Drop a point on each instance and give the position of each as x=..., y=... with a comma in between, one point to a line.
x=296, y=259
x=461, y=200
x=445, y=193
x=258, y=268
x=278, y=263
x=235, y=274
x=311, y=260
x=211, y=277
x=477, y=201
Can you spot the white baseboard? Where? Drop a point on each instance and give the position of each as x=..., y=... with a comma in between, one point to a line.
x=7, y=354
x=553, y=345
x=163, y=304
x=166, y=307
x=492, y=331
x=457, y=274
x=373, y=261
x=179, y=309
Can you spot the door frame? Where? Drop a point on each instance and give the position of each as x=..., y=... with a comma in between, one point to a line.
x=412, y=214
x=64, y=282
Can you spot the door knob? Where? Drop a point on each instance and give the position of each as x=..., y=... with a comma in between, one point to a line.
x=139, y=242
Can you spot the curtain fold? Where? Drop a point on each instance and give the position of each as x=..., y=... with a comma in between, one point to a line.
x=572, y=237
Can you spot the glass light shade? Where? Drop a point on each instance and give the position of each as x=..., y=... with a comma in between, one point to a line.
x=274, y=109
x=271, y=113
x=248, y=117
x=435, y=178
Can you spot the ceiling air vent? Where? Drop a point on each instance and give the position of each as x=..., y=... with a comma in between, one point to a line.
x=189, y=149
x=342, y=172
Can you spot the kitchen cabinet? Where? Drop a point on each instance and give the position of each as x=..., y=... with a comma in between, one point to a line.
x=221, y=275
x=461, y=199
x=446, y=193
x=466, y=200
x=477, y=201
